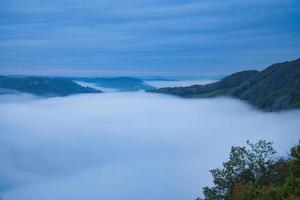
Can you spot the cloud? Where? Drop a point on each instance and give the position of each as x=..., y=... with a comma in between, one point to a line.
x=126, y=35
x=125, y=145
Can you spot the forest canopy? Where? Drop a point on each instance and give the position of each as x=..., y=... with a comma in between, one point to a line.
x=254, y=172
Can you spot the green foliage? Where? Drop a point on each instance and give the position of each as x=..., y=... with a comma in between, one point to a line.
x=253, y=172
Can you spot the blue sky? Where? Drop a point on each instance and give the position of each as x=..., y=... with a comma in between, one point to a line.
x=146, y=37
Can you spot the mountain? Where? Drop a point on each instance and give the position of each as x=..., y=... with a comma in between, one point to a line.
x=223, y=87
x=42, y=86
x=120, y=83
x=275, y=88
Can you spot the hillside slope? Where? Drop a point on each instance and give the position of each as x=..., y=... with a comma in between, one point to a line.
x=275, y=88
x=43, y=86
x=222, y=87
x=120, y=83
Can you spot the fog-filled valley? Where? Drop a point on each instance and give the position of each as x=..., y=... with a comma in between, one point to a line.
x=130, y=145
x=149, y=100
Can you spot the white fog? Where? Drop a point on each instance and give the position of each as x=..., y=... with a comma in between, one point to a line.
x=125, y=145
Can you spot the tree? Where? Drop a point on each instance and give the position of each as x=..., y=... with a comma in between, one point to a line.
x=245, y=167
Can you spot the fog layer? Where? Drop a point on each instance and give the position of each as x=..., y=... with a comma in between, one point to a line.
x=178, y=83
x=132, y=146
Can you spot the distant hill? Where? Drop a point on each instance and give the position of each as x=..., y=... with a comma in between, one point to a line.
x=275, y=88
x=120, y=83
x=42, y=86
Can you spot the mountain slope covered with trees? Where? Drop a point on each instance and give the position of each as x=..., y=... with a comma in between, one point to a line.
x=275, y=88
x=43, y=86
x=120, y=83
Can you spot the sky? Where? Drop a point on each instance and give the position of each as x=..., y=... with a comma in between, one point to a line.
x=146, y=37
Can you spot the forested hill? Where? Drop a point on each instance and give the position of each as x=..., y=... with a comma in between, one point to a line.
x=275, y=88
x=120, y=83
x=43, y=86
